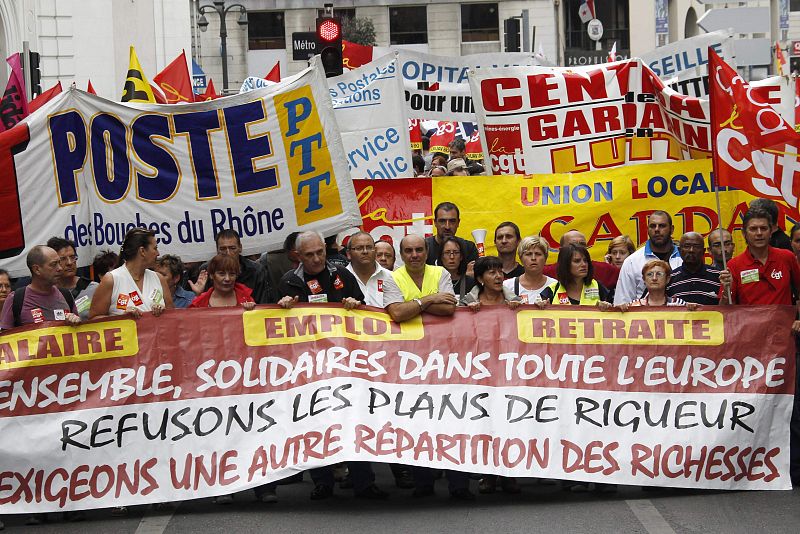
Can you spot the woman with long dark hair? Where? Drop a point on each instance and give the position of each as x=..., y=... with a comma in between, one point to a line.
x=576, y=284
x=450, y=257
x=133, y=287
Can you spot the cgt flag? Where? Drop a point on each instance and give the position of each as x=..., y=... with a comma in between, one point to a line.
x=175, y=82
x=754, y=148
x=137, y=87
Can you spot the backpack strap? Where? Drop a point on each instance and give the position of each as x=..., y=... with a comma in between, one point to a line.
x=516, y=286
x=19, y=297
x=68, y=297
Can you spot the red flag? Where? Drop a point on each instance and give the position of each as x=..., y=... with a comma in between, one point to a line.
x=354, y=55
x=415, y=134
x=175, y=82
x=210, y=93
x=90, y=89
x=14, y=104
x=755, y=149
x=445, y=133
x=275, y=74
x=473, y=148
x=44, y=98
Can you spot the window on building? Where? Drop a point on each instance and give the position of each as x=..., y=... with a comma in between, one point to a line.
x=794, y=5
x=479, y=22
x=614, y=14
x=343, y=13
x=408, y=25
x=265, y=30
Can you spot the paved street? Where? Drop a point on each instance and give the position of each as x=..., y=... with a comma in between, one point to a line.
x=538, y=509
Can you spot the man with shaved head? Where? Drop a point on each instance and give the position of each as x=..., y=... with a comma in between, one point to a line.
x=41, y=300
x=425, y=288
x=605, y=273
x=694, y=281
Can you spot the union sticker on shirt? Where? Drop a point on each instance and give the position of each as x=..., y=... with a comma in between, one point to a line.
x=321, y=297
x=591, y=293
x=314, y=286
x=156, y=296
x=337, y=283
x=749, y=276
x=38, y=315
x=83, y=304
x=563, y=298
x=136, y=299
x=380, y=286
x=122, y=301
x=59, y=315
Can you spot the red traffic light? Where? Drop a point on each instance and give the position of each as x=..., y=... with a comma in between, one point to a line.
x=329, y=30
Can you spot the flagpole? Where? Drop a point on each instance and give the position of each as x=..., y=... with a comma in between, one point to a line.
x=714, y=183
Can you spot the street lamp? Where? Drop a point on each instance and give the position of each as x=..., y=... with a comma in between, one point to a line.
x=222, y=11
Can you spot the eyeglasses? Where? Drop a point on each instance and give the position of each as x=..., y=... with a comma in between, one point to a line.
x=68, y=259
x=363, y=248
x=451, y=253
x=656, y=274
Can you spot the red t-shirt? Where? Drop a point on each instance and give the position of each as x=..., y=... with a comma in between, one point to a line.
x=768, y=283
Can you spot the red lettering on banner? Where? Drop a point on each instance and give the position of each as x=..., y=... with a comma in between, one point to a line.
x=581, y=88
x=494, y=98
x=678, y=461
x=539, y=88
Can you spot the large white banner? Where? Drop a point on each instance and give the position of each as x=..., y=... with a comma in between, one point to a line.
x=264, y=163
x=119, y=412
x=368, y=104
x=555, y=120
x=451, y=99
x=683, y=65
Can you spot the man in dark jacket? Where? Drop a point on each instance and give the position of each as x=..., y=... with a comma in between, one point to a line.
x=317, y=280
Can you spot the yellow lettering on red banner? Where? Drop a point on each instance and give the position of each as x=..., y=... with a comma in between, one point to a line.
x=314, y=188
x=578, y=327
x=301, y=325
x=65, y=344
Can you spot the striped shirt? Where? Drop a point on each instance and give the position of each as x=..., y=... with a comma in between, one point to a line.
x=701, y=287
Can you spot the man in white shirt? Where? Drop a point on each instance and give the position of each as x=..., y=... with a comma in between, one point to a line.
x=659, y=246
x=371, y=277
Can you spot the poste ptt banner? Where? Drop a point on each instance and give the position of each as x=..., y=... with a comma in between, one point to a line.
x=205, y=402
x=555, y=119
x=264, y=163
x=368, y=104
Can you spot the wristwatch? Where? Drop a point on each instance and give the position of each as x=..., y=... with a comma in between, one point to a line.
x=419, y=301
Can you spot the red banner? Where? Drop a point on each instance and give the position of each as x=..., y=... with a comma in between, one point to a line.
x=203, y=402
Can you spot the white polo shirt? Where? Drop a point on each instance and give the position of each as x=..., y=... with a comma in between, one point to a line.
x=374, y=288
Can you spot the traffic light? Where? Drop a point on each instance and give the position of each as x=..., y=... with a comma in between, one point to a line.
x=36, y=74
x=329, y=45
x=511, y=30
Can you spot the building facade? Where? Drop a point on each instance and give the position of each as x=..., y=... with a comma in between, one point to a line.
x=81, y=40
x=89, y=39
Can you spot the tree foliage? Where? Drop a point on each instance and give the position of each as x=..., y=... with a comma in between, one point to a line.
x=359, y=30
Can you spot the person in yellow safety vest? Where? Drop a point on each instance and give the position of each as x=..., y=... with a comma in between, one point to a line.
x=576, y=284
x=422, y=288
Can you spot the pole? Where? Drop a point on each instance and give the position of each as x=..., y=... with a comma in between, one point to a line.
x=223, y=35
x=26, y=69
x=714, y=180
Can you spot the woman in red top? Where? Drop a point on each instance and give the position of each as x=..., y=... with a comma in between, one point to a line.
x=225, y=291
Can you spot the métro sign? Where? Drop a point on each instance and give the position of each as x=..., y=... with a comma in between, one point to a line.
x=304, y=45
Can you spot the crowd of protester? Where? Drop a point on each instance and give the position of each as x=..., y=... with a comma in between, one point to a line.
x=436, y=275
